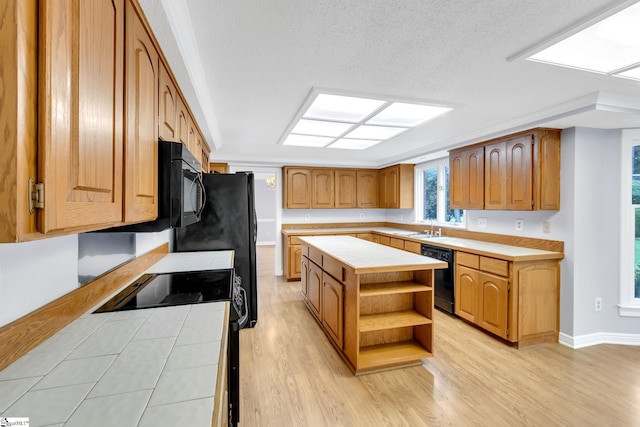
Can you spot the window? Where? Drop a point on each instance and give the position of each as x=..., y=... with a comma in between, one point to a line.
x=629, y=300
x=432, y=195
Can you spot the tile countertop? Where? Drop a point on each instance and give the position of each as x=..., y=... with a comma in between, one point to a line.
x=507, y=252
x=368, y=257
x=133, y=368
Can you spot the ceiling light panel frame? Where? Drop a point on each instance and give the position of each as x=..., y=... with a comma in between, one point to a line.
x=303, y=123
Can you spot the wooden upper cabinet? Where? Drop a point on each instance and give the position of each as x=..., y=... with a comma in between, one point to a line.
x=182, y=122
x=345, y=188
x=297, y=188
x=367, y=182
x=519, y=172
x=322, y=188
x=81, y=113
x=141, y=149
x=192, y=135
x=168, y=106
x=396, y=187
x=466, y=178
x=495, y=178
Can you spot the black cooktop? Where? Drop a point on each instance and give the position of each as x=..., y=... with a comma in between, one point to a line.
x=167, y=289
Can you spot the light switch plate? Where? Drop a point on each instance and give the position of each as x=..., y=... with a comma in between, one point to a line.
x=519, y=224
x=546, y=227
x=307, y=217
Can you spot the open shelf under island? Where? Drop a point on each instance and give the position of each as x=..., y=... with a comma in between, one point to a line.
x=375, y=303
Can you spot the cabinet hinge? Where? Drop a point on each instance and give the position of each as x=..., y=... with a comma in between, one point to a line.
x=532, y=202
x=508, y=287
x=36, y=195
x=508, y=331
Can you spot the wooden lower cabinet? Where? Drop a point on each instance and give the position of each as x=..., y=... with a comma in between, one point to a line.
x=514, y=300
x=314, y=289
x=332, y=308
x=304, y=274
x=295, y=257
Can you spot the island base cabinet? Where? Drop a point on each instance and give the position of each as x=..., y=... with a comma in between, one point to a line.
x=332, y=308
x=314, y=289
x=494, y=306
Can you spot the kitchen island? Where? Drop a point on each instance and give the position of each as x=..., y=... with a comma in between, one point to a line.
x=375, y=303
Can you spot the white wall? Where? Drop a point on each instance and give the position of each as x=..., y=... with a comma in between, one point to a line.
x=35, y=273
x=32, y=274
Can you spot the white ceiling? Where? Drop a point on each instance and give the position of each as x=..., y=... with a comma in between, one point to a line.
x=246, y=67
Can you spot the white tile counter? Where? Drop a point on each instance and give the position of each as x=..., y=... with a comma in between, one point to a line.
x=134, y=368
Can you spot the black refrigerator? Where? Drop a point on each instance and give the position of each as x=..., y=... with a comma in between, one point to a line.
x=228, y=222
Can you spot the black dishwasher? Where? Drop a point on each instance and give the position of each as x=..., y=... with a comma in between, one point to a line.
x=443, y=278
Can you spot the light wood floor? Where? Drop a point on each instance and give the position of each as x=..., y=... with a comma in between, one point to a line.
x=292, y=376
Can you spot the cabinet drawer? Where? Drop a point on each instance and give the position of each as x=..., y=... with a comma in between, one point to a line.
x=334, y=268
x=315, y=255
x=470, y=260
x=414, y=247
x=396, y=243
x=495, y=266
x=294, y=240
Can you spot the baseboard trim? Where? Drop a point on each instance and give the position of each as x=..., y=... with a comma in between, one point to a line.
x=589, y=340
x=24, y=334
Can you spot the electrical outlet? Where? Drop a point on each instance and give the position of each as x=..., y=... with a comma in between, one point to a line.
x=519, y=224
x=598, y=306
x=546, y=227
x=482, y=222
x=307, y=217
x=361, y=216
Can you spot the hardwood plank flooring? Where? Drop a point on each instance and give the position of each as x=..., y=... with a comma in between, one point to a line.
x=292, y=376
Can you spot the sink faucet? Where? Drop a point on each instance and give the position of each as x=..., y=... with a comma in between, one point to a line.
x=438, y=232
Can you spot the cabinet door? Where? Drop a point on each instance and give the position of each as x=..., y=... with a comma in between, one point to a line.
x=345, y=184
x=495, y=194
x=322, y=190
x=314, y=289
x=295, y=259
x=457, y=178
x=332, y=308
x=167, y=107
x=141, y=148
x=474, y=169
x=304, y=273
x=389, y=187
x=494, y=304
x=466, y=178
x=466, y=291
x=367, y=182
x=519, y=173
x=192, y=136
x=546, y=185
x=182, y=122
x=81, y=113
x=297, y=188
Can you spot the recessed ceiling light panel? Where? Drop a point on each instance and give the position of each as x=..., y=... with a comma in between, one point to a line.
x=341, y=108
x=307, y=140
x=375, y=132
x=354, y=144
x=321, y=128
x=607, y=46
x=403, y=114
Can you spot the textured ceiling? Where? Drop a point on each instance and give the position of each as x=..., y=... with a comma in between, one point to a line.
x=247, y=66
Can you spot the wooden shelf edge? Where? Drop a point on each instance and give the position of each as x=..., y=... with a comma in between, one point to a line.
x=377, y=357
x=392, y=320
x=389, y=288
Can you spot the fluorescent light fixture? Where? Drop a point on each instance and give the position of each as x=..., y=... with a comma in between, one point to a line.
x=307, y=140
x=321, y=128
x=374, y=132
x=356, y=122
x=403, y=114
x=342, y=108
x=610, y=46
x=354, y=144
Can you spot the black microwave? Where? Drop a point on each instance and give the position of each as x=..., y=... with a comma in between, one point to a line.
x=181, y=195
